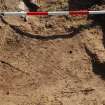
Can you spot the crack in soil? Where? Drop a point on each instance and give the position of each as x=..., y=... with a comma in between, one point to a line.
x=17, y=69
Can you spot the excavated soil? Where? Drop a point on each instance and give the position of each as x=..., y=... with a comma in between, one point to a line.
x=53, y=60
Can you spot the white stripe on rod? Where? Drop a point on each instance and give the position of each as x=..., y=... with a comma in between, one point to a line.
x=58, y=13
x=13, y=13
x=96, y=12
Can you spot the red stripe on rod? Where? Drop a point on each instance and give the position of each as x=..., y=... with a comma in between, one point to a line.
x=79, y=13
x=37, y=13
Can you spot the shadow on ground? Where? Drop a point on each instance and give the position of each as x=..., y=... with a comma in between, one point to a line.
x=98, y=68
x=31, y=6
x=83, y=4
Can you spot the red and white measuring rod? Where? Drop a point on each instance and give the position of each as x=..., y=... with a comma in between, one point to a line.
x=56, y=13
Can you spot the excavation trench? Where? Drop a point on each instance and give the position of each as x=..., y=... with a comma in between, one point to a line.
x=40, y=67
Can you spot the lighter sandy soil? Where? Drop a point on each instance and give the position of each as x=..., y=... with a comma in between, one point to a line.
x=52, y=60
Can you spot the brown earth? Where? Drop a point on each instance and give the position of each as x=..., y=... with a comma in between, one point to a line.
x=52, y=60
